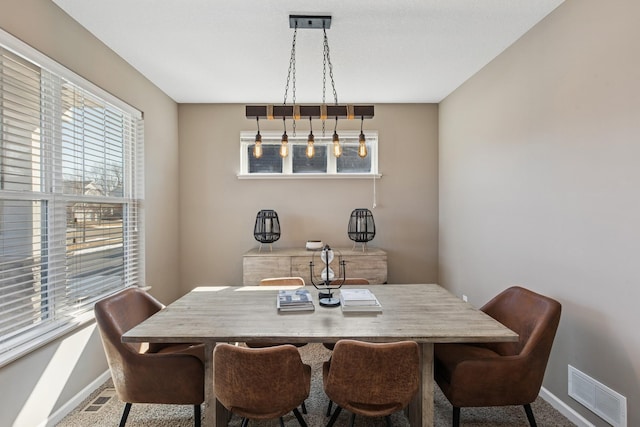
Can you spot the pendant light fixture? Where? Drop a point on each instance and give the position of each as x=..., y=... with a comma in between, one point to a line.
x=337, y=148
x=257, y=148
x=321, y=111
x=310, y=140
x=362, y=142
x=284, y=142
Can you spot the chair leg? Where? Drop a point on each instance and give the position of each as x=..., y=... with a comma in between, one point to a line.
x=353, y=420
x=456, y=416
x=125, y=414
x=530, y=417
x=388, y=419
x=245, y=422
x=281, y=422
x=329, y=408
x=197, y=416
x=299, y=417
x=304, y=408
x=334, y=417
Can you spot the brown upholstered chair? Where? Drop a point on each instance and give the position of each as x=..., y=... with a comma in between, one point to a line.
x=161, y=373
x=261, y=383
x=351, y=281
x=277, y=281
x=371, y=379
x=501, y=374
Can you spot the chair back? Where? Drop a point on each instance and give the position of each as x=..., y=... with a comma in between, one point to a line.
x=282, y=281
x=532, y=316
x=118, y=313
x=260, y=383
x=373, y=379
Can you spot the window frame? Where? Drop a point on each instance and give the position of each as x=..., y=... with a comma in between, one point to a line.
x=58, y=320
x=247, y=139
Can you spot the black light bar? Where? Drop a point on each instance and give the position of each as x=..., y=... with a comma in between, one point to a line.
x=324, y=111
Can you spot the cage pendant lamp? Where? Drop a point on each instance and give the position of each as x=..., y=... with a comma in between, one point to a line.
x=322, y=111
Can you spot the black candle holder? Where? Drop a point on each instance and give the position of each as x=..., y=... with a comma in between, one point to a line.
x=328, y=283
x=362, y=227
x=267, y=227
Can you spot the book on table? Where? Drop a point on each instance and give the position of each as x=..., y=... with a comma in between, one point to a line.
x=359, y=300
x=294, y=300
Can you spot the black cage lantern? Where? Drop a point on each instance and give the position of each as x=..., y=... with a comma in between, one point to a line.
x=362, y=228
x=267, y=228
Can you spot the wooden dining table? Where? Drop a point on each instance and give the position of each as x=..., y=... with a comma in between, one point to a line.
x=424, y=313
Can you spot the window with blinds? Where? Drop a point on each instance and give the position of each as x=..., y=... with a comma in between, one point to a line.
x=70, y=197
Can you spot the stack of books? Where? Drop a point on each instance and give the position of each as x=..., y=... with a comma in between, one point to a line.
x=295, y=300
x=359, y=300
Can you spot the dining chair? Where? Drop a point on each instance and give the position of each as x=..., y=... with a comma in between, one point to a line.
x=153, y=373
x=280, y=281
x=371, y=379
x=261, y=383
x=501, y=373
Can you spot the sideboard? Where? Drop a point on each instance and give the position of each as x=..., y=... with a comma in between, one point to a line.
x=370, y=264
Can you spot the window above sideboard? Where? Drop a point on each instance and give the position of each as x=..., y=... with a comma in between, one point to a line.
x=296, y=165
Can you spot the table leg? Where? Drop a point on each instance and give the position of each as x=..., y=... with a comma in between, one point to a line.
x=427, y=384
x=209, y=394
x=420, y=410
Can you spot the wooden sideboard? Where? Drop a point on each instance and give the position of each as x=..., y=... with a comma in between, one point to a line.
x=370, y=264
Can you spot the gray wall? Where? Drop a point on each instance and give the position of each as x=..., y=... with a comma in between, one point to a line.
x=218, y=210
x=36, y=385
x=539, y=175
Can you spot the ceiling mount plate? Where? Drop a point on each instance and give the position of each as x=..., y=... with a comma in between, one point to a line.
x=310, y=21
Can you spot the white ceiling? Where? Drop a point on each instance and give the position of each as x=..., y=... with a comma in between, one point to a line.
x=219, y=51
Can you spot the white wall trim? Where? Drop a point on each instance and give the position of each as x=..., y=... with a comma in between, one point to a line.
x=564, y=409
x=76, y=400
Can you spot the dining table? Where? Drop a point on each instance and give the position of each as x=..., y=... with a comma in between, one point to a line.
x=425, y=313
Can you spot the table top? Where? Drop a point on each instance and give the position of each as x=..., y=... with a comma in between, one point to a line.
x=420, y=312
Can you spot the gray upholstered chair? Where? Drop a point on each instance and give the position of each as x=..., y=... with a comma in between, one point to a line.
x=261, y=383
x=371, y=379
x=161, y=373
x=507, y=373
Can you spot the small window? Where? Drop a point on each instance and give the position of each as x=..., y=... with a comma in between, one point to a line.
x=303, y=164
x=323, y=163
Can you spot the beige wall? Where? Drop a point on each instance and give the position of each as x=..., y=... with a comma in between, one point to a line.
x=36, y=386
x=218, y=210
x=539, y=176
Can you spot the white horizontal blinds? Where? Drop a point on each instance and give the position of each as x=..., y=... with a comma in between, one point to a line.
x=96, y=163
x=71, y=172
x=22, y=205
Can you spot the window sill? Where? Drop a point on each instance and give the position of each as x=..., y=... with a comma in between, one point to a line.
x=310, y=176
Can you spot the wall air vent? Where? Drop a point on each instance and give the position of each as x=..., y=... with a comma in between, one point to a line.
x=600, y=399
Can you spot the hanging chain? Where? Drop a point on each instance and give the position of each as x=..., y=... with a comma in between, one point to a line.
x=292, y=73
x=327, y=58
x=324, y=74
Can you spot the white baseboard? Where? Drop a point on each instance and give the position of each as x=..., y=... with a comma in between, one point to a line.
x=71, y=404
x=564, y=409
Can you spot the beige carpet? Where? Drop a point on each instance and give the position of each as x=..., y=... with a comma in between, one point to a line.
x=104, y=409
